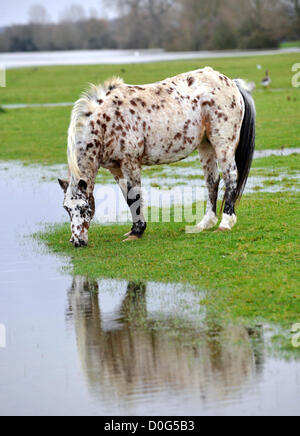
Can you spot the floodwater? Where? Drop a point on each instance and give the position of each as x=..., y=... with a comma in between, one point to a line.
x=76, y=346
x=177, y=186
x=98, y=57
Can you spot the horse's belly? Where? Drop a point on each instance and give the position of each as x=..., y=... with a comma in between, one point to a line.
x=158, y=156
x=171, y=149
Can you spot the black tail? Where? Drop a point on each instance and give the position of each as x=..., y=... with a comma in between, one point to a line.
x=245, y=151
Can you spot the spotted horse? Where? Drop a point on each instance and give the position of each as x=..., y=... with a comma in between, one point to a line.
x=122, y=127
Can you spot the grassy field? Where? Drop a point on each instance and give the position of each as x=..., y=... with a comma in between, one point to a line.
x=290, y=44
x=251, y=273
x=34, y=135
x=39, y=135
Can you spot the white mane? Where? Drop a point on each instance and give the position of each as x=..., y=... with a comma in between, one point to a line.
x=87, y=104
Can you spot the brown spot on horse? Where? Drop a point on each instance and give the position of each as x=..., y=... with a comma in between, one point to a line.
x=210, y=103
x=190, y=80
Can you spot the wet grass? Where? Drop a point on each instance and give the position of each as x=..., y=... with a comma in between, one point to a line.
x=269, y=166
x=277, y=164
x=251, y=273
x=273, y=167
x=40, y=135
x=278, y=171
x=281, y=171
x=34, y=135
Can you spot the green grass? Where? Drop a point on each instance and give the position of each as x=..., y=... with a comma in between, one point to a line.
x=252, y=272
x=278, y=123
x=274, y=166
x=282, y=163
x=39, y=135
x=64, y=84
x=34, y=135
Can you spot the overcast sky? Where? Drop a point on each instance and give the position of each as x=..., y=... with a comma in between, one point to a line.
x=16, y=11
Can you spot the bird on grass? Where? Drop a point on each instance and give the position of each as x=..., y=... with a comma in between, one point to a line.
x=266, y=81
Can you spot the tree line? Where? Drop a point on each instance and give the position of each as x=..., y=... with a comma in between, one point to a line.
x=168, y=24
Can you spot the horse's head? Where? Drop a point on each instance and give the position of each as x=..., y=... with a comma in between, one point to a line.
x=80, y=206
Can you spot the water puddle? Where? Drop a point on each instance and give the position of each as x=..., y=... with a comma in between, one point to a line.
x=34, y=106
x=124, y=348
x=282, y=152
x=151, y=347
x=171, y=186
x=86, y=347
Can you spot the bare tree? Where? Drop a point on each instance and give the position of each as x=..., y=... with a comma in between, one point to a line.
x=93, y=13
x=293, y=10
x=145, y=20
x=200, y=18
x=73, y=14
x=265, y=24
x=157, y=11
x=170, y=24
x=38, y=15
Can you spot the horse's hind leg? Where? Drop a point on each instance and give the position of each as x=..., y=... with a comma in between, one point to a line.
x=212, y=177
x=129, y=180
x=226, y=158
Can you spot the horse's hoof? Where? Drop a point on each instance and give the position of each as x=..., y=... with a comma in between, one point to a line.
x=131, y=238
x=222, y=230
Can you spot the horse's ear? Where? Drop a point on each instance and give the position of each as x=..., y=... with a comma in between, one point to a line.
x=64, y=185
x=82, y=185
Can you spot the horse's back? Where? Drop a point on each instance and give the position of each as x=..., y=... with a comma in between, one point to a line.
x=162, y=122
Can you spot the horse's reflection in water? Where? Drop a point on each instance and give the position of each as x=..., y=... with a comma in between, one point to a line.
x=126, y=353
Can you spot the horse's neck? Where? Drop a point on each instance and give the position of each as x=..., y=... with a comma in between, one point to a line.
x=89, y=174
x=91, y=182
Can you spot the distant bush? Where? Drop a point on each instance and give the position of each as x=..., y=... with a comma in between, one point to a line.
x=259, y=40
x=224, y=37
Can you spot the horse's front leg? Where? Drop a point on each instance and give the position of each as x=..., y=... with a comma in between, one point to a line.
x=129, y=180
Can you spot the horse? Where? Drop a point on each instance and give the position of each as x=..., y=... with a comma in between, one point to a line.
x=122, y=127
